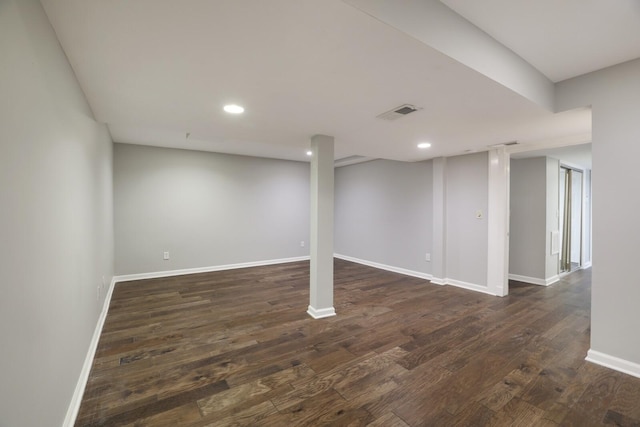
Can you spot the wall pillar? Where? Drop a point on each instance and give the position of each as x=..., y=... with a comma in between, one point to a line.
x=498, y=225
x=321, y=238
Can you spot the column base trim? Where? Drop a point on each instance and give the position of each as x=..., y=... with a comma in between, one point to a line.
x=320, y=313
x=535, y=280
x=612, y=362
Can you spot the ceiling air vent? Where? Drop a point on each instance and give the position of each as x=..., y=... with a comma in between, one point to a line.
x=398, y=112
x=504, y=144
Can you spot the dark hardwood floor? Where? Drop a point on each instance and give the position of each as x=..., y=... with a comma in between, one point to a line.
x=237, y=348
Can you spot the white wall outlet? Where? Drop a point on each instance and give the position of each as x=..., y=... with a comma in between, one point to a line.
x=427, y=257
x=165, y=256
x=479, y=214
x=302, y=243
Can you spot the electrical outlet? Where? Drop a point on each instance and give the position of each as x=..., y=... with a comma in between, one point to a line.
x=302, y=243
x=165, y=256
x=427, y=257
x=479, y=214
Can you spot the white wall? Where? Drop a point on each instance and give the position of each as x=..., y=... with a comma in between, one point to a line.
x=528, y=222
x=467, y=192
x=383, y=213
x=56, y=223
x=206, y=209
x=552, y=261
x=614, y=94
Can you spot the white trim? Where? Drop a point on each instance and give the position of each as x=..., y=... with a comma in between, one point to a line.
x=551, y=280
x=535, y=280
x=76, y=399
x=469, y=286
x=613, y=362
x=158, y=274
x=400, y=270
x=320, y=313
x=74, y=406
x=586, y=265
x=498, y=222
x=463, y=285
x=426, y=276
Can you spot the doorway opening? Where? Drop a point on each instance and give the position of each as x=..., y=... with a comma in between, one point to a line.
x=550, y=213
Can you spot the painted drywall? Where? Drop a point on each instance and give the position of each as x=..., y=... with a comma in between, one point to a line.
x=466, y=235
x=528, y=222
x=434, y=24
x=552, y=212
x=534, y=216
x=56, y=223
x=587, y=219
x=206, y=209
x=383, y=213
x=614, y=94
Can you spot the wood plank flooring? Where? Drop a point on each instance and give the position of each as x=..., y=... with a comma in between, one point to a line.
x=236, y=348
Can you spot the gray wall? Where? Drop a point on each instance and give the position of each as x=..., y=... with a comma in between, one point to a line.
x=527, y=228
x=467, y=236
x=56, y=223
x=534, y=209
x=614, y=94
x=206, y=209
x=383, y=213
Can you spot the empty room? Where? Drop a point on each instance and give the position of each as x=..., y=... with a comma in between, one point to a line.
x=319, y=212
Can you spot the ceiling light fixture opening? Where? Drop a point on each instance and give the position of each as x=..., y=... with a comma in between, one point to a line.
x=424, y=145
x=234, y=109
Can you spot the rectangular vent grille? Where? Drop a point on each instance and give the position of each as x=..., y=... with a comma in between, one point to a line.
x=398, y=112
x=504, y=144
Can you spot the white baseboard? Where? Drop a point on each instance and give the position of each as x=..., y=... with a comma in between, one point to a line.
x=426, y=276
x=614, y=363
x=469, y=286
x=74, y=406
x=76, y=399
x=400, y=270
x=158, y=274
x=320, y=313
x=535, y=280
x=586, y=265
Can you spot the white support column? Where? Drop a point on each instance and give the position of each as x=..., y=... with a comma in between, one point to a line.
x=321, y=239
x=438, y=251
x=498, y=250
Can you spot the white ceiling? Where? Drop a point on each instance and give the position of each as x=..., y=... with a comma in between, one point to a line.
x=561, y=38
x=575, y=155
x=155, y=70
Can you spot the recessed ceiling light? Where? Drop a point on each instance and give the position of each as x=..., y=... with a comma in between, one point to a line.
x=233, y=109
x=424, y=145
x=309, y=153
